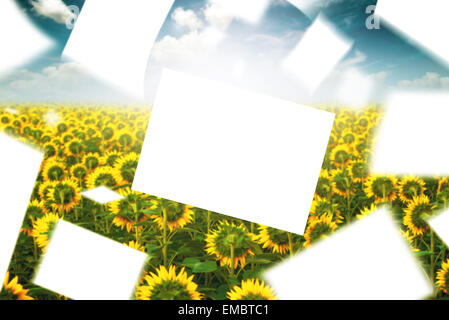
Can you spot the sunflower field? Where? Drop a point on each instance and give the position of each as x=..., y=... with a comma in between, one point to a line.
x=194, y=253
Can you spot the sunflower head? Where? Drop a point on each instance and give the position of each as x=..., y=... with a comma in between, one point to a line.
x=341, y=155
x=102, y=176
x=125, y=138
x=125, y=168
x=65, y=195
x=129, y=210
x=366, y=211
x=230, y=243
x=348, y=136
x=78, y=171
x=176, y=215
x=411, y=187
x=50, y=150
x=319, y=228
x=53, y=169
x=442, y=277
x=381, y=188
x=13, y=290
x=110, y=158
x=251, y=289
x=324, y=207
x=135, y=245
x=275, y=240
x=168, y=285
x=417, y=211
x=36, y=209
x=42, y=227
x=342, y=182
x=358, y=170
x=443, y=190
x=74, y=147
x=324, y=186
x=91, y=161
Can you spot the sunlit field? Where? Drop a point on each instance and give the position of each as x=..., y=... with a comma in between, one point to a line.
x=194, y=253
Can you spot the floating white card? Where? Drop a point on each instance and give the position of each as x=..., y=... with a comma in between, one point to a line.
x=412, y=135
x=311, y=8
x=355, y=263
x=102, y=195
x=19, y=167
x=425, y=22
x=355, y=89
x=440, y=224
x=239, y=153
x=20, y=39
x=113, y=39
x=247, y=10
x=83, y=265
x=317, y=53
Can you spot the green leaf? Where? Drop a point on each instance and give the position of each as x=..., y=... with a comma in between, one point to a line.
x=190, y=262
x=207, y=266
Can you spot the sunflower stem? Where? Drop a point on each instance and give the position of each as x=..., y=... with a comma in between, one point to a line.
x=208, y=221
x=432, y=256
x=164, y=236
x=290, y=243
x=232, y=261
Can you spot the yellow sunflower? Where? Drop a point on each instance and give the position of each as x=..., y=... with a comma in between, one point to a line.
x=277, y=241
x=50, y=149
x=410, y=239
x=45, y=190
x=319, y=229
x=78, y=171
x=167, y=285
x=13, y=290
x=342, y=182
x=411, y=187
x=366, y=211
x=65, y=195
x=92, y=161
x=358, y=170
x=348, y=137
x=125, y=138
x=36, y=209
x=177, y=215
x=324, y=186
x=125, y=168
x=323, y=207
x=53, y=170
x=42, y=228
x=341, y=155
x=75, y=147
x=102, y=176
x=443, y=190
x=382, y=188
x=135, y=245
x=442, y=278
x=111, y=157
x=231, y=244
x=417, y=211
x=130, y=210
x=251, y=289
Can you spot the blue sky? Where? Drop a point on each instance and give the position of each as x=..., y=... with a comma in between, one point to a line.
x=381, y=54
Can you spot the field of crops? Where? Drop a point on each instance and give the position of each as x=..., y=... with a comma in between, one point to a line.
x=198, y=254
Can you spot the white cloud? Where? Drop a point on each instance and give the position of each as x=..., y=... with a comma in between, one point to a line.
x=188, y=48
x=61, y=82
x=216, y=16
x=430, y=80
x=359, y=57
x=187, y=18
x=52, y=9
